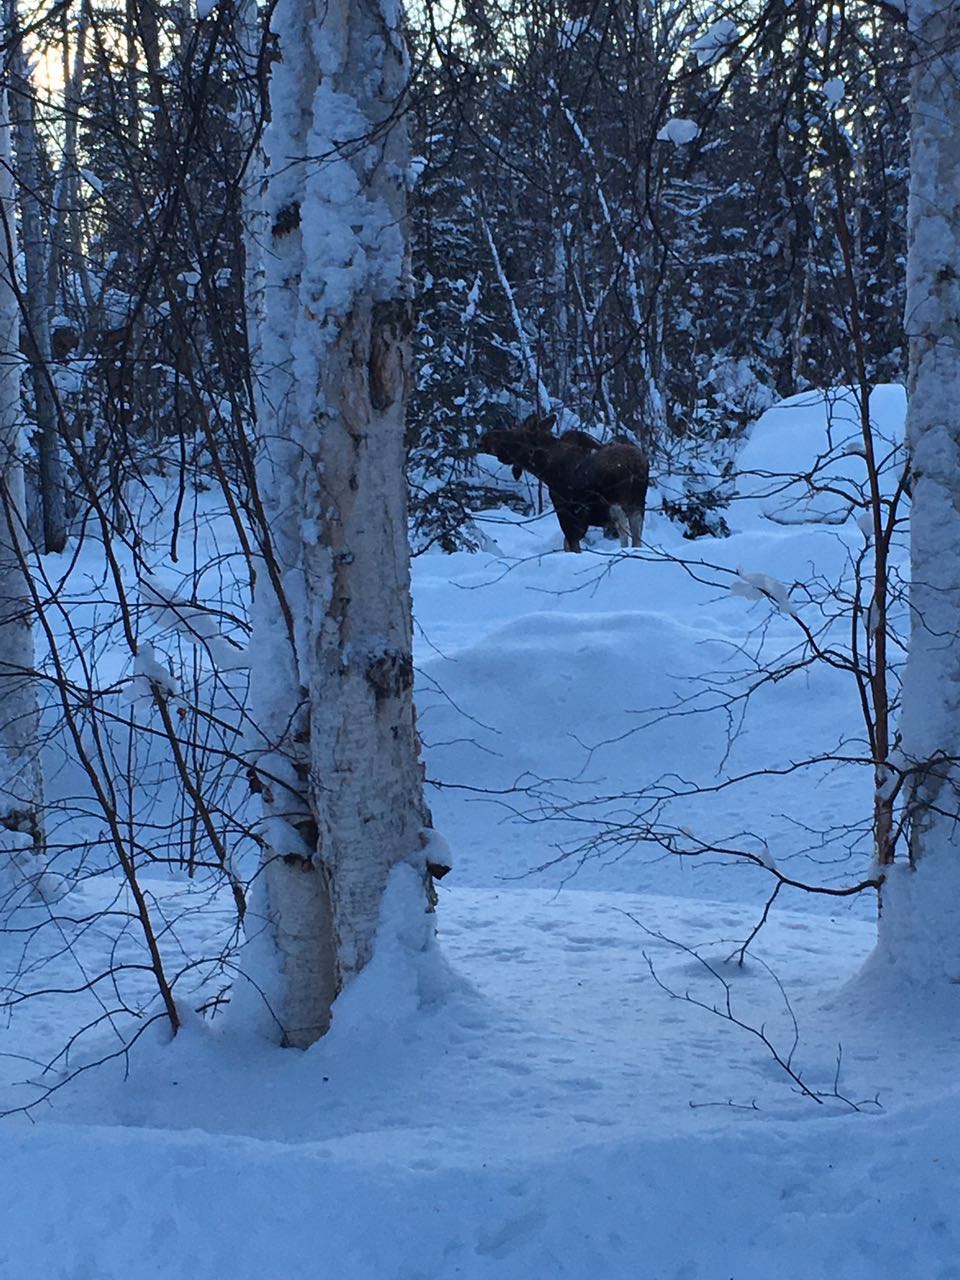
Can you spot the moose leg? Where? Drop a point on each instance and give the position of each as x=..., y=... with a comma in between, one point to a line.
x=636, y=528
x=571, y=534
x=619, y=517
x=573, y=528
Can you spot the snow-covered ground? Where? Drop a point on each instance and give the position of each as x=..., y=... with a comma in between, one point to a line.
x=555, y=1090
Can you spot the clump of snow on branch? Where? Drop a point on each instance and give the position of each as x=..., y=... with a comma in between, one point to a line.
x=436, y=850
x=889, y=776
x=767, y=858
x=277, y=833
x=473, y=299
x=150, y=674
x=197, y=624
x=414, y=171
x=716, y=42
x=761, y=586
x=678, y=131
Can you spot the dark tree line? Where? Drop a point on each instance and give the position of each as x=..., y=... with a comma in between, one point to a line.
x=568, y=247
x=634, y=214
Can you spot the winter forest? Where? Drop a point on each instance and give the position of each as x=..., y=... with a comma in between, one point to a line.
x=480, y=640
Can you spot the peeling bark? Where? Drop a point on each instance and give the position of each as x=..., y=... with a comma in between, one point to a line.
x=333, y=670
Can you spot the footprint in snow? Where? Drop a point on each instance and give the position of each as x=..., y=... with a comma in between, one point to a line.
x=502, y=1241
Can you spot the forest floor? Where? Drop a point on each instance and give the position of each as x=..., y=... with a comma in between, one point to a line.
x=580, y=1080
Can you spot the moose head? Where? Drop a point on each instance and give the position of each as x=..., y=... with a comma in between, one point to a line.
x=515, y=446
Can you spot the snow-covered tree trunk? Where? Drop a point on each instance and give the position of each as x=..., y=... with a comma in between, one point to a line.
x=920, y=923
x=339, y=763
x=21, y=821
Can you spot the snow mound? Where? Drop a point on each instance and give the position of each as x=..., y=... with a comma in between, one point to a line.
x=407, y=972
x=804, y=462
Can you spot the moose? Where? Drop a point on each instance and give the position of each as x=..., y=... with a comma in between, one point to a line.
x=590, y=484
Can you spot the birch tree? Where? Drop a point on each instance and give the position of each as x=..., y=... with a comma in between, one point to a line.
x=337, y=765
x=37, y=293
x=21, y=824
x=919, y=927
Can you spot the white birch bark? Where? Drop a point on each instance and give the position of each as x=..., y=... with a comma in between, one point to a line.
x=920, y=920
x=332, y=673
x=26, y=148
x=256, y=228
x=21, y=822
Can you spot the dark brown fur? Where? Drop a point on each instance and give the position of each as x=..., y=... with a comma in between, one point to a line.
x=590, y=484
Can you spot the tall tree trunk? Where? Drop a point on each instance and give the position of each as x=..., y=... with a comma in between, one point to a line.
x=67, y=256
x=333, y=675
x=251, y=111
x=36, y=295
x=21, y=812
x=920, y=924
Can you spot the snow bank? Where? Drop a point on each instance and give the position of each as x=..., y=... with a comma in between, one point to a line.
x=166, y=1207
x=804, y=461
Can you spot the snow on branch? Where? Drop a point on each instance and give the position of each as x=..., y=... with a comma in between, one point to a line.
x=761, y=586
x=529, y=364
x=678, y=131
x=195, y=622
x=716, y=42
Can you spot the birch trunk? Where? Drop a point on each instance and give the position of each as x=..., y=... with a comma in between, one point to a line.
x=920, y=922
x=333, y=674
x=36, y=262
x=21, y=824
x=250, y=112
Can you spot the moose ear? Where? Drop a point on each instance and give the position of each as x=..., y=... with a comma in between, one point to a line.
x=517, y=471
x=546, y=424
